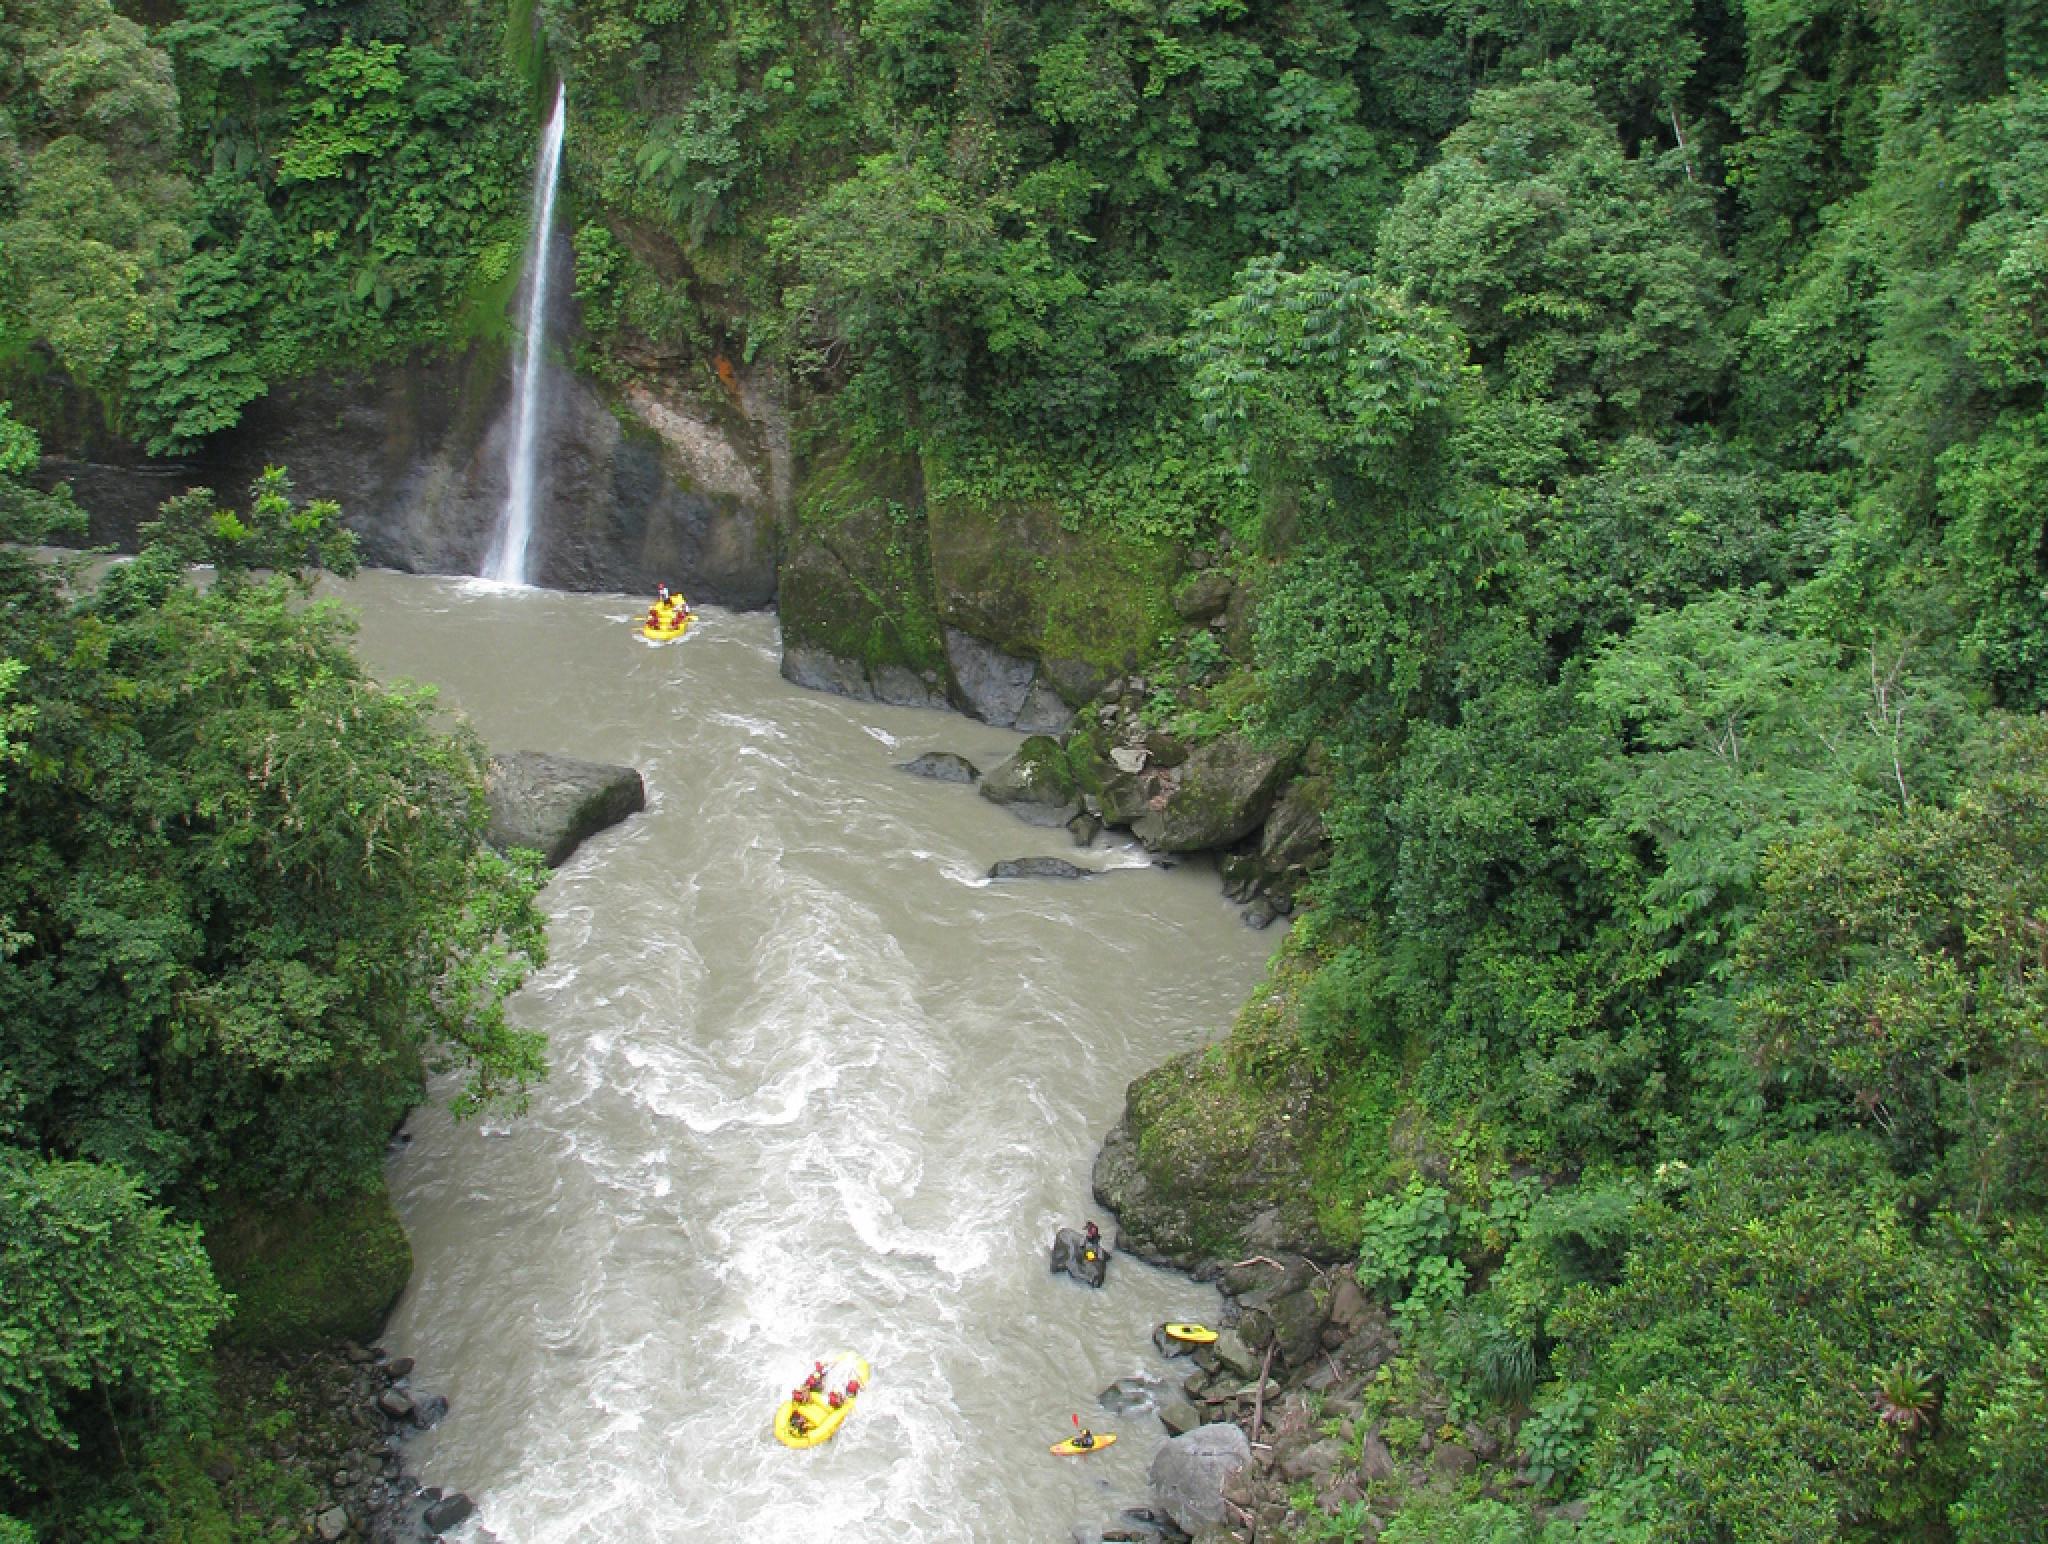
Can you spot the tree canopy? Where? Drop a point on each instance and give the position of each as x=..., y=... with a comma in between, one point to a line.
x=245, y=905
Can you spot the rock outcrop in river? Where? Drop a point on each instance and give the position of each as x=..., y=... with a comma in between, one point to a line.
x=552, y=804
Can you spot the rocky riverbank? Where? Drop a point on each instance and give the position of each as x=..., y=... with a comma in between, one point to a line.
x=319, y=1443
x=1304, y=1420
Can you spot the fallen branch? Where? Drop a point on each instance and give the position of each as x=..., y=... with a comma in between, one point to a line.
x=1261, y=1259
x=1259, y=1402
x=1244, y=1517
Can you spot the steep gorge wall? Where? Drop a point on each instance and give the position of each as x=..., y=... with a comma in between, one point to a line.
x=667, y=478
x=687, y=476
x=997, y=610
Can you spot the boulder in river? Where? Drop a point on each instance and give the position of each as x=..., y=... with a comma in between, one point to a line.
x=1085, y=1262
x=1035, y=784
x=551, y=803
x=942, y=767
x=1038, y=868
x=448, y=1511
x=1131, y=1394
x=1189, y=1472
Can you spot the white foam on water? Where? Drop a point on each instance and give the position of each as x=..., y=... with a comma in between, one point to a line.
x=955, y=870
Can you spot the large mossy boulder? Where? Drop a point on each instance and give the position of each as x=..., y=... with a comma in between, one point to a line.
x=303, y=1272
x=551, y=804
x=1035, y=783
x=1218, y=796
x=1206, y=1165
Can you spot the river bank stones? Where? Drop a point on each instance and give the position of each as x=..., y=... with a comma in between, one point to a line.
x=1189, y=1472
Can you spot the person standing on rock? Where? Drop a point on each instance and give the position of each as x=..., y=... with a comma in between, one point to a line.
x=1080, y=1256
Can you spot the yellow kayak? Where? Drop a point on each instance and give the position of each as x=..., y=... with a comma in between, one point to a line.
x=1193, y=1334
x=1072, y=1448
x=665, y=624
x=820, y=1417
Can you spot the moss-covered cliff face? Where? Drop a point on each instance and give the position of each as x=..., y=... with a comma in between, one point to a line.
x=310, y=1271
x=859, y=611
x=1090, y=605
x=888, y=592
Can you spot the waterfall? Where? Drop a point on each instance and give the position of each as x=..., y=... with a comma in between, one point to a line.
x=506, y=561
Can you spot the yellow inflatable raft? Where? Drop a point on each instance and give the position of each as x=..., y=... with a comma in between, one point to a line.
x=1191, y=1334
x=665, y=624
x=815, y=1419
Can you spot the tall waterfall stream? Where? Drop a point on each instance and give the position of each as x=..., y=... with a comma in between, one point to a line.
x=505, y=563
x=817, y=1084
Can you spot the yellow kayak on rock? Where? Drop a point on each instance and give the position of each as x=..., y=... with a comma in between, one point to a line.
x=1074, y=1448
x=665, y=624
x=813, y=1420
x=1192, y=1334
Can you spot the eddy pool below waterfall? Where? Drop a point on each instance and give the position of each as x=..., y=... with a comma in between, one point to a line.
x=816, y=1085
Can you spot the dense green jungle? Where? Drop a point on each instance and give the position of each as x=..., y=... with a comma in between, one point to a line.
x=1626, y=417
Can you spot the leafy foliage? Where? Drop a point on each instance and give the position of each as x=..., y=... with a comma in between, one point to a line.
x=1902, y=968
x=173, y=242
x=245, y=901
x=1405, y=1252
x=1748, y=1334
x=106, y=1297
x=251, y=889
